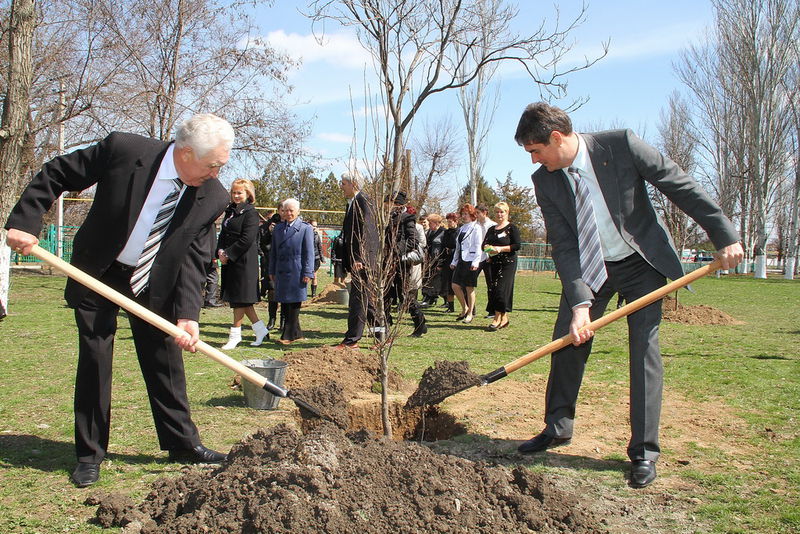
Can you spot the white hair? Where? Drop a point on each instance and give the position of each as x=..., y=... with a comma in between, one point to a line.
x=204, y=132
x=354, y=178
x=291, y=202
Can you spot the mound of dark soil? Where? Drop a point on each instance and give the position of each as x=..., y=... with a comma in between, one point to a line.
x=445, y=378
x=280, y=481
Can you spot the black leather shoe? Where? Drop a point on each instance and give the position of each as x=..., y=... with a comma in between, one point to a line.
x=643, y=472
x=196, y=455
x=85, y=474
x=542, y=442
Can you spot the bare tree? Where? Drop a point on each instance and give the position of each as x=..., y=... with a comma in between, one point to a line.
x=181, y=57
x=14, y=134
x=424, y=47
x=793, y=233
x=737, y=79
x=478, y=101
x=436, y=156
x=677, y=143
x=755, y=38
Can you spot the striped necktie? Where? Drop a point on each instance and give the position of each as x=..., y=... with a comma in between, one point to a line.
x=593, y=267
x=141, y=274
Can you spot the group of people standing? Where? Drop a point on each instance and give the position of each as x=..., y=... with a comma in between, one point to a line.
x=457, y=254
x=150, y=235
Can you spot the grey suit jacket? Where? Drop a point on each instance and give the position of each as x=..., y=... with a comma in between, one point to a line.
x=123, y=167
x=624, y=164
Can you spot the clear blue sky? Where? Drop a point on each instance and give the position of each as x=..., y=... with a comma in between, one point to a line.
x=628, y=88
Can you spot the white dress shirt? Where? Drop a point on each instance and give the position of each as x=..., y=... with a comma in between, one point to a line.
x=614, y=246
x=162, y=186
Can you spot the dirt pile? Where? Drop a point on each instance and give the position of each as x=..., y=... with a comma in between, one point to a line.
x=280, y=481
x=328, y=294
x=357, y=371
x=700, y=315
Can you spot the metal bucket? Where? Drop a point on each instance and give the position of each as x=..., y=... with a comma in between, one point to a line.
x=256, y=397
x=342, y=296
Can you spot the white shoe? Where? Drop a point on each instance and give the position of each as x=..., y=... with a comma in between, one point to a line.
x=261, y=332
x=234, y=338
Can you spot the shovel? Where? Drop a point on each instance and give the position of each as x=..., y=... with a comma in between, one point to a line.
x=501, y=372
x=162, y=324
x=619, y=313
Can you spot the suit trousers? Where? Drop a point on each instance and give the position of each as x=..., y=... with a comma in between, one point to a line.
x=361, y=309
x=634, y=278
x=161, y=363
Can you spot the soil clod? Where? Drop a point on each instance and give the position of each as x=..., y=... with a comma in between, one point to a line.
x=328, y=401
x=445, y=378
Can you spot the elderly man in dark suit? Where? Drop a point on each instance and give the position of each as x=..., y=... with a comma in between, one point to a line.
x=148, y=235
x=607, y=238
x=360, y=252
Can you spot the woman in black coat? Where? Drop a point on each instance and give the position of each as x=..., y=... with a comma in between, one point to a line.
x=238, y=254
x=501, y=243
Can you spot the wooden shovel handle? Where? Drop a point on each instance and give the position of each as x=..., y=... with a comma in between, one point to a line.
x=614, y=315
x=146, y=315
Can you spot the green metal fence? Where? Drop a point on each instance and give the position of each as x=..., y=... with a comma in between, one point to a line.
x=48, y=240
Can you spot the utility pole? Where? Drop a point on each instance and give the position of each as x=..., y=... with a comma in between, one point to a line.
x=60, y=211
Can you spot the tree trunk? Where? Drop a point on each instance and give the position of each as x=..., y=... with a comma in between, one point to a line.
x=14, y=131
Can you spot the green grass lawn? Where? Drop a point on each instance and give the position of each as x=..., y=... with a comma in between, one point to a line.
x=753, y=369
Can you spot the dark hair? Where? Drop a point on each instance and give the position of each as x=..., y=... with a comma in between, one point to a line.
x=482, y=208
x=452, y=216
x=538, y=121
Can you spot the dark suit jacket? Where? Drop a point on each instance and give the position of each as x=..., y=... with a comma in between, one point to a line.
x=359, y=233
x=624, y=164
x=123, y=167
x=239, y=239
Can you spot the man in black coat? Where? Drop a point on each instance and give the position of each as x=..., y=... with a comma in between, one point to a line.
x=400, y=249
x=359, y=253
x=136, y=178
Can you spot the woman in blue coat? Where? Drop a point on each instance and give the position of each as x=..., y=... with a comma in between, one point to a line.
x=291, y=267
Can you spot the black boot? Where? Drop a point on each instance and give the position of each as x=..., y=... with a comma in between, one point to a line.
x=313, y=291
x=420, y=325
x=273, y=311
x=451, y=306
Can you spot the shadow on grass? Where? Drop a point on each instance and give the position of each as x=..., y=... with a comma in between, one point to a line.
x=232, y=400
x=34, y=452
x=770, y=357
x=477, y=447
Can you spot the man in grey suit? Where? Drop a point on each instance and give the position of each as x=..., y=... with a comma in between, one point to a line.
x=152, y=223
x=592, y=187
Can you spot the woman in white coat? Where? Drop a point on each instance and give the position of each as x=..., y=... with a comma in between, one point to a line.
x=466, y=262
